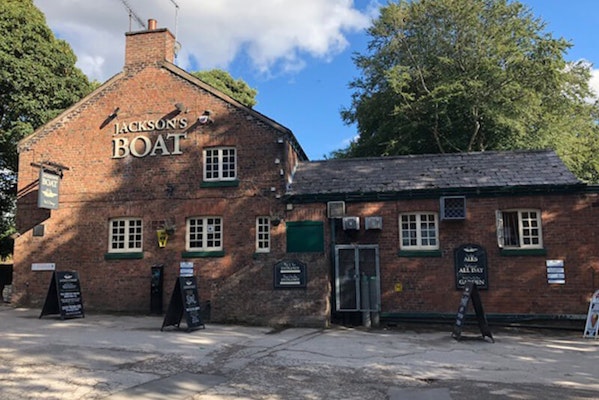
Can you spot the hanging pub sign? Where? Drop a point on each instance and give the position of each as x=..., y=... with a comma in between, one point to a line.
x=48, y=190
x=290, y=275
x=471, y=266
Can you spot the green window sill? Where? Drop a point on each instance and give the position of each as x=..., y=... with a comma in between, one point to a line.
x=202, y=254
x=522, y=252
x=419, y=253
x=212, y=184
x=124, y=256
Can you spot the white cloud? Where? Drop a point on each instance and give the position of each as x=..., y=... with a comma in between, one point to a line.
x=276, y=35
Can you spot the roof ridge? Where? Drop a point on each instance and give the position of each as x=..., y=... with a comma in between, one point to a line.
x=437, y=155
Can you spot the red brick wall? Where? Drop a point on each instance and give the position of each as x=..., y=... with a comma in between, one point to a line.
x=98, y=187
x=517, y=284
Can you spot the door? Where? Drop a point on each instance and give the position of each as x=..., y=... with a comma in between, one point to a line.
x=357, y=278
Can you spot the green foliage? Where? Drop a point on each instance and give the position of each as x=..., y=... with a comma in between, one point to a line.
x=38, y=79
x=235, y=88
x=469, y=75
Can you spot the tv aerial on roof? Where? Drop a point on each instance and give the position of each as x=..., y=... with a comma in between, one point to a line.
x=132, y=15
x=177, y=44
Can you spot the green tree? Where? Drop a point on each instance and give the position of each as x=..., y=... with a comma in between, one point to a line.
x=238, y=89
x=38, y=79
x=469, y=75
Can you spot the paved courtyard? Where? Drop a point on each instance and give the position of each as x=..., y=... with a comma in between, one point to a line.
x=125, y=357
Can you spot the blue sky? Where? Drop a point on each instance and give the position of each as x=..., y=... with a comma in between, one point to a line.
x=297, y=54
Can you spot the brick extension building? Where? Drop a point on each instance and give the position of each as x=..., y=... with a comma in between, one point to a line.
x=274, y=238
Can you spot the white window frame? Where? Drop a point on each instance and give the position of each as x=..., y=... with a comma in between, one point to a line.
x=208, y=230
x=128, y=238
x=417, y=233
x=217, y=164
x=529, y=232
x=262, y=234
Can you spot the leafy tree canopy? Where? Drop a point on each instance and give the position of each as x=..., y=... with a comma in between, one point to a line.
x=470, y=75
x=38, y=79
x=223, y=81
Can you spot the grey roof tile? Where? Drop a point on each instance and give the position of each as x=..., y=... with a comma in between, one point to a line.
x=490, y=169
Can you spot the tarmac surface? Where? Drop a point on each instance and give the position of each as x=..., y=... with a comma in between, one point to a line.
x=119, y=357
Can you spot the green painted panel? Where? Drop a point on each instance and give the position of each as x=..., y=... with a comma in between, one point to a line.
x=123, y=256
x=305, y=237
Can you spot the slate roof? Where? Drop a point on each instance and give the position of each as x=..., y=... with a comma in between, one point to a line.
x=489, y=171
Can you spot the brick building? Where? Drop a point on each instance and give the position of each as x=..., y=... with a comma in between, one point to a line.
x=272, y=237
x=518, y=224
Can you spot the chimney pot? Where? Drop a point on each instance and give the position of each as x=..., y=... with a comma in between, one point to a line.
x=151, y=24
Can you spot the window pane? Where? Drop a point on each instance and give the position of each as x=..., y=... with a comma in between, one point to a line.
x=522, y=228
x=228, y=163
x=510, y=229
x=263, y=234
x=195, y=233
x=531, y=232
x=427, y=226
x=126, y=235
x=220, y=163
x=418, y=231
x=135, y=234
x=204, y=234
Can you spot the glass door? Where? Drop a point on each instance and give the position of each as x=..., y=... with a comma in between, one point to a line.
x=357, y=281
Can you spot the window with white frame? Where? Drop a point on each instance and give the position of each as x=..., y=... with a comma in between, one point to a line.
x=519, y=229
x=418, y=231
x=204, y=234
x=220, y=164
x=126, y=235
x=262, y=234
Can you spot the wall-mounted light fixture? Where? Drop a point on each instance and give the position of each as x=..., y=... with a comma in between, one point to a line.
x=114, y=113
x=205, y=117
x=162, y=237
x=181, y=108
x=110, y=117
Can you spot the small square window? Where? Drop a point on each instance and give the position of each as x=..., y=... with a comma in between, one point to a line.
x=418, y=231
x=204, y=234
x=126, y=235
x=519, y=229
x=453, y=207
x=220, y=164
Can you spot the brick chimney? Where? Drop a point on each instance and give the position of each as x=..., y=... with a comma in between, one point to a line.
x=149, y=46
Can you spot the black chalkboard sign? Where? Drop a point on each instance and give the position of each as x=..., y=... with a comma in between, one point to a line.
x=471, y=293
x=64, y=296
x=184, y=301
x=470, y=262
x=290, y=275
